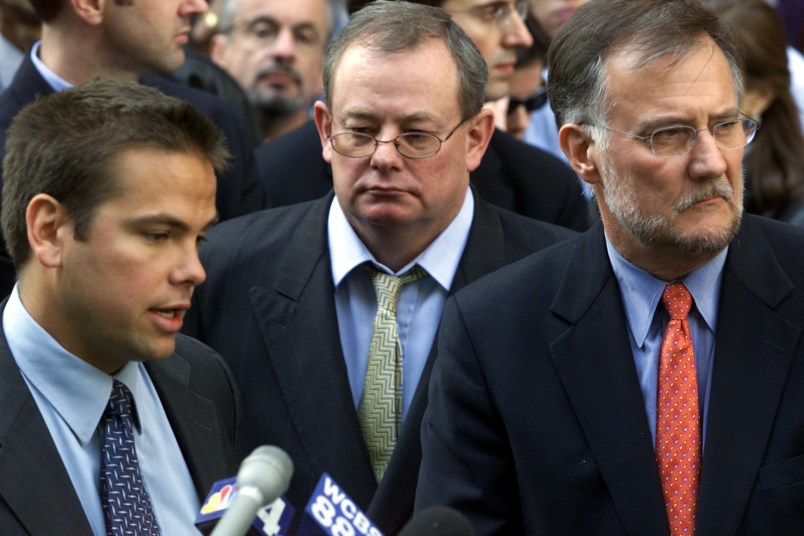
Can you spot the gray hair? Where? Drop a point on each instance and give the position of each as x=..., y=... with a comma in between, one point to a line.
x=229, y=8
x=390, y=26
x=578, y=82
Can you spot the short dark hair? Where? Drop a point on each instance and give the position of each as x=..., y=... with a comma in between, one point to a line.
x=47, y=9
x=577, y=83
x=390, y=26
x=65, y=144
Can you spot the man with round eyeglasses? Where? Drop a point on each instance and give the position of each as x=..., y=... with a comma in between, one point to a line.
x=511, y=174
x=403, y=125
x=647, y=377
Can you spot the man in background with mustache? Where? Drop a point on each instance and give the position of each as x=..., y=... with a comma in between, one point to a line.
x=275, y=49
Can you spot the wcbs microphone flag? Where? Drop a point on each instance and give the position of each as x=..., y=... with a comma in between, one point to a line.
x=331, y=512
x=271, y=520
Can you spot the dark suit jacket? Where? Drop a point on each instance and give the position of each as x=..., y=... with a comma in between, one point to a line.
x=36, y=495
x=536, y=423
x=239, y=191
x=268, y=306
x=512, y=175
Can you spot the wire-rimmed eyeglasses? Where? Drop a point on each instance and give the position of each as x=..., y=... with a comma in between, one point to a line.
x=499, y=12
x=409, y=144
x=678, y=140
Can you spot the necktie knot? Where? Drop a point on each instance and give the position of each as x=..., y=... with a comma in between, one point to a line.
x=120, y=401
x=387, y=286
x=677, y=300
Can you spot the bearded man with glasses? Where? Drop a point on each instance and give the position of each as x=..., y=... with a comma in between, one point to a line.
x=403, y=125
x=647, y=377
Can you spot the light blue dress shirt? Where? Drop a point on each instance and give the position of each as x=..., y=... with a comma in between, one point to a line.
x=72, y=395
x=53, y=80
x=647, y=318
x=420, y=303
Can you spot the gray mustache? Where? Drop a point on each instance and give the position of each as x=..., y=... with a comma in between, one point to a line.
x=720, y=188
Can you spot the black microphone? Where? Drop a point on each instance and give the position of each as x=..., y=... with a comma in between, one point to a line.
x=438, y=521
x=263, y=476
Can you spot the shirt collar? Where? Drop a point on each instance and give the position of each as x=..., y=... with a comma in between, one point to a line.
x=440, y=259
x=53, y=80
x=77, y=391
x=641, y=291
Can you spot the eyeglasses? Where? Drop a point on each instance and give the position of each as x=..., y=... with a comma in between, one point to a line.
x=410, y=144
x=678, y=140
x=499, y=12
x=534, y=102
x=263, y=31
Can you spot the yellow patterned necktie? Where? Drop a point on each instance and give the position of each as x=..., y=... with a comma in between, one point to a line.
x=380, y=409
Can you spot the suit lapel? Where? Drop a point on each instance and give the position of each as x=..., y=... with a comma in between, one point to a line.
x=30, y=464
x=299, y=326
x=595, y=364
x=753, y=353
x=193, y=420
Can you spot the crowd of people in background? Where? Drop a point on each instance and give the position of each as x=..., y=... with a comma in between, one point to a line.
x=449, y=252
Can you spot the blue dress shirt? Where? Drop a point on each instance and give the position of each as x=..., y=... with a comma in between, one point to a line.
x=647, y=318
x=420, y=303
x=72, y=395
x=54, y=81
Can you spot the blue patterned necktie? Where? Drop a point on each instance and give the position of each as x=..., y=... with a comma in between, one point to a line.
x=380, y=409
x=126, y=506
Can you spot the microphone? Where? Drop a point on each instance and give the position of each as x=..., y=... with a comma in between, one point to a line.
x=263, y=476
x=438, y=521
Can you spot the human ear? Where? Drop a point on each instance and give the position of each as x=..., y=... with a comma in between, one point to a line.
x=47, y=223
x=478, y=136
x=580, y=150
x=323, y=123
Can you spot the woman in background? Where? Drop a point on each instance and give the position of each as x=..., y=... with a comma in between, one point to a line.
x=774, y=162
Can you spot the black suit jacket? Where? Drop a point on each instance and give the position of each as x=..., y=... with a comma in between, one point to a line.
x=268, y=307
x=512, y=175
x=36, y=495
x=239, y=191
x=536, y=423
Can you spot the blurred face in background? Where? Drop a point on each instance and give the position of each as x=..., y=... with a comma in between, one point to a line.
x=497, y=30
x=552, y=14
x=275, y=51
x=527, y=94
x=147, y=37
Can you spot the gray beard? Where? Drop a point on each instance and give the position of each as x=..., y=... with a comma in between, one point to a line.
x=656, y=232
x=277, y=107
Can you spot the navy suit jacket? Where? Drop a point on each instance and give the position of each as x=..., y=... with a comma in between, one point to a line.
x=239, y=191
x=536, y=422
x=36, y=494
x=268, y=307
x=512, y=175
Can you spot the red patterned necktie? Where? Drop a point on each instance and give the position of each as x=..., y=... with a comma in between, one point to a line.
x=678, y=431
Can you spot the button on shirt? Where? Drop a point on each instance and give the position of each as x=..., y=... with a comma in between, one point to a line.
x=641, y=293
x=420, y=303
x=72, y=395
